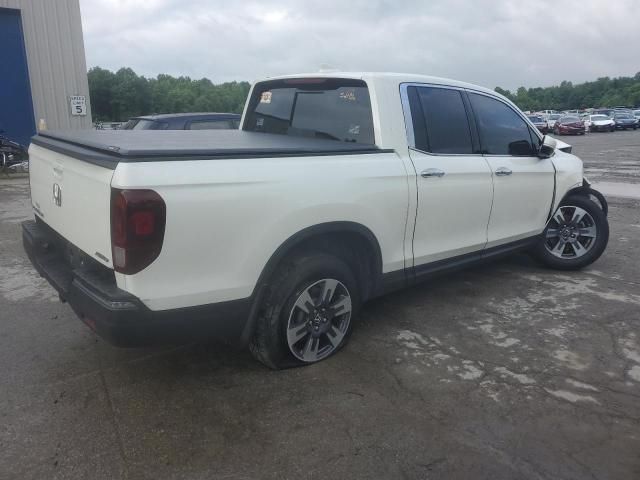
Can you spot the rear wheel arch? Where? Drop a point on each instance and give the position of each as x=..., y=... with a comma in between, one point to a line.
x=350, y=241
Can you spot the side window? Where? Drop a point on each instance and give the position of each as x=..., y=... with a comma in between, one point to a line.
x=211, y=125
x=440, y=121
x=502, y=131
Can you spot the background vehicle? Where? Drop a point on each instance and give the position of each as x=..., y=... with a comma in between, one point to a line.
x=539, y=122
x=569, y=126
x=609, y=112
x=13, y=156
x=598, y=123
x=184, y=121
x=552, y=119
x=636, y=114
x=274, y=235
x=625, y=121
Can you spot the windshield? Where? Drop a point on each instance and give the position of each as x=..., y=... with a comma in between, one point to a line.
x=338, y=109
x=599, y=117
x=554, y=116
x=535, y=119
x=569, y=120
x=623, y=115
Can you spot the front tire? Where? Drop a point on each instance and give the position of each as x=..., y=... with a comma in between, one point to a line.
x=308, y=313
x=575, y=236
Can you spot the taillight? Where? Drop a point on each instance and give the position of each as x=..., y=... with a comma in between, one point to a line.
x=138, y=219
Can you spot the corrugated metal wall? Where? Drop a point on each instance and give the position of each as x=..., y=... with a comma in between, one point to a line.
x=55, y=55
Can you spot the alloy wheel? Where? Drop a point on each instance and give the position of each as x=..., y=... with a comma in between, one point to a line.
x=319, y=320
x=571, y=233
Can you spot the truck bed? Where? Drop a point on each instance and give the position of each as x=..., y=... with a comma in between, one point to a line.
x=109, y=147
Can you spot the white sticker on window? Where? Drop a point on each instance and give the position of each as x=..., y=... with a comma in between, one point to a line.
x=348, y=95
x=354, y=129
x=265, y=97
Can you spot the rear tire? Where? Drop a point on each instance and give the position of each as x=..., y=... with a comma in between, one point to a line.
x=308, y=312
x=575, y=236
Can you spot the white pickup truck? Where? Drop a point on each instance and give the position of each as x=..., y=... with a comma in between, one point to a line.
x=337, y=188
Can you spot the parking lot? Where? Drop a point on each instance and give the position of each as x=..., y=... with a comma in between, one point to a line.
x=501, y=372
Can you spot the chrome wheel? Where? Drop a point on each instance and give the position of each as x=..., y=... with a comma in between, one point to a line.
x=571, y=233
x=319, y=320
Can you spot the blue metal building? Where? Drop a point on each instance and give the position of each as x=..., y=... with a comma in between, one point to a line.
x=43, y=73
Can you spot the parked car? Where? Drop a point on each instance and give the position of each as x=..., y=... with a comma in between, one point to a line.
x=539, y=122
x=274, y=235
x=552, y=119
x=569, y=125
x=598, y=123
x=609, y=112
x=13, y=156
x=184, y=121
x=625, y=121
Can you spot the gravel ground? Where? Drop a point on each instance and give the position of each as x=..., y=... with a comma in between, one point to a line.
x=500, y=372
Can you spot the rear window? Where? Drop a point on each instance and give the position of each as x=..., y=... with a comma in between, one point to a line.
x=222, y=124
x=337, y=109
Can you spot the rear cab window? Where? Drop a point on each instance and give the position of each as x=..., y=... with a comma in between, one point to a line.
x=222, y=124
x=330, y=108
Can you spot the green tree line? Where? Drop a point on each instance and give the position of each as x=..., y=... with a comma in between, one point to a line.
x=604, y=92
x=118, y=96
x=124, y=94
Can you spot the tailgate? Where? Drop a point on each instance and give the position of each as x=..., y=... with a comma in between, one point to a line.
x=73, y=197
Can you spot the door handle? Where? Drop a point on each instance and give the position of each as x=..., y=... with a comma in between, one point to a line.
x=432, y=172
x=503, y=172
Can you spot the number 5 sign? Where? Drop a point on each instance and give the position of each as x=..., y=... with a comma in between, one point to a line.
x=78, y=105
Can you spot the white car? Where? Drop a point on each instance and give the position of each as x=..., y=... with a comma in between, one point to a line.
x=599, y=123
x=636, y=113
x=551, y=120
x=337, y=189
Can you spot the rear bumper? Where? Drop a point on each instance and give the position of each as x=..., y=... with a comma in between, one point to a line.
x=117, y=316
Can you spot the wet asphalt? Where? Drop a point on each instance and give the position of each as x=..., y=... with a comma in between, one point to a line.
x=500, y=372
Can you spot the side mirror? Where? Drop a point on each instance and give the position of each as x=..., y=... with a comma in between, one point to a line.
x=547, y=148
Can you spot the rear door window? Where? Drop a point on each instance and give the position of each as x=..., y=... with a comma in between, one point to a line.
x=440, y=121
x=337, y=109
x=502, y=131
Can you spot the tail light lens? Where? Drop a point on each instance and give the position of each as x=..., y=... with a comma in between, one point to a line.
x=138, y=219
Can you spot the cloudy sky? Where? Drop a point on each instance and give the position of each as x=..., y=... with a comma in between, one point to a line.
x=504, y=43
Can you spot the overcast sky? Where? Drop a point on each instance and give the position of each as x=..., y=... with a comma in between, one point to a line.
x=505, y=43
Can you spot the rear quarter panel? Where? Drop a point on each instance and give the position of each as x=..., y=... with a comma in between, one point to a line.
x=225, y=218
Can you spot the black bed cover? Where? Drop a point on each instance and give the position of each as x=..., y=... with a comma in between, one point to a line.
x=109, y=147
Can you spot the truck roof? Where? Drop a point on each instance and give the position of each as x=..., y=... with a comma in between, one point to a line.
x=390, y=77
x=162, y=116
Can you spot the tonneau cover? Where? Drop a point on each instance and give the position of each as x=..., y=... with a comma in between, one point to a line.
x=108, y=147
